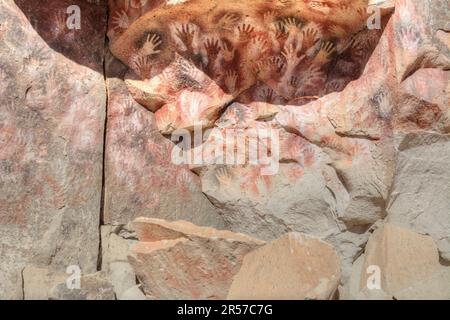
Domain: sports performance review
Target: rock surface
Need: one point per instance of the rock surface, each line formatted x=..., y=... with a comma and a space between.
x=140, y=179
x=419, y=197
x=358, y=110
x=294, y=267
x=51, y=138
x=93, y=287
x=407, y=266
x=178, y=260
x=38, y=282
x=191, y=58
x=116, y=243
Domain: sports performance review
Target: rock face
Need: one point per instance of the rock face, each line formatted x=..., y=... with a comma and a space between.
x=338, y=152
x=419, y=197
x=92, y=287
x=191, y=58
x=140, y=178
x=38, y=282
x=262, y=118
x=51, y=138
x=294, y=267
x=116, y=243
x=401, y=264
x=178, y=260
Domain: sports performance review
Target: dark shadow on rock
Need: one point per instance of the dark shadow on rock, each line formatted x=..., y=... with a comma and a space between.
x=84, y=46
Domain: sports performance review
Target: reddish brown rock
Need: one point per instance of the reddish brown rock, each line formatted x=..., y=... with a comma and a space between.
x=294, y=267
x=178, y=260
x=191, y=58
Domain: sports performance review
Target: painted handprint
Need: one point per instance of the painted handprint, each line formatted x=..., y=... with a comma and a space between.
x=151, y=44
x=212, y=48
x=269, y=17
x=245, y=31
x=337, y=31
x=228, y=51
x=60, y=22
x=141, y=64
x=290, y=53
x=257, y=47
x=324, y=55
x=410, y=38
x=310, y=37
x=186, y=34
x=230, y=79
x=120, y=20
x=223, y=176
x=228, y=21
x=291, y=25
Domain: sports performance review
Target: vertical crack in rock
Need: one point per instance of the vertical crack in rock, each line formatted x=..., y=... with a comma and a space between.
x=102, y=198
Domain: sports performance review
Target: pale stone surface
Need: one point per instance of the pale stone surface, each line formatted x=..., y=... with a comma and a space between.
x=178, y=260
x=115, y=249
x=419, y=198
x=294, y=267
x=133, y=293
x=38, y=282
x=52, y=98
x=93, y=287
x=351, y=289
x=408, y=263
x=338, y=153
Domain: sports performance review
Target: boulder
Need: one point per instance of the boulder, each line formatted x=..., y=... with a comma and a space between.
x=38, y=282
x=402, y=264
x=419, y=197
x=293, y=267
x=133, y=293
x=179, y=260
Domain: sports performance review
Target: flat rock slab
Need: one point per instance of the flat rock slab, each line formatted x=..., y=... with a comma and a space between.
x=178, y=260
x=295, y=266
x=404, y=264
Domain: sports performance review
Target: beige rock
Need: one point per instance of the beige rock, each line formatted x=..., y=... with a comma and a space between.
x=178, y=260
x=133, y=293
x=116, y=243
x=122, y=277
x=408, y=265
x=92, y=287
x=38, y=282
x=419, y=197
x=351, y=288
x=293, y=267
